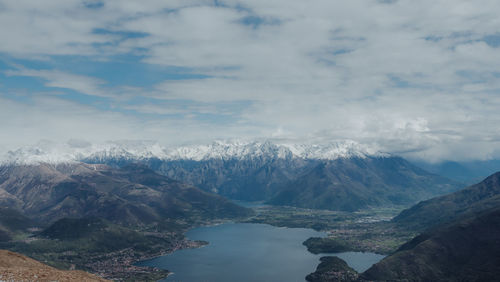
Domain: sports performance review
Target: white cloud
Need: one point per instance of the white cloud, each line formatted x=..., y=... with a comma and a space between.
x=83, y=84
x=53, y=118
x=415, y=77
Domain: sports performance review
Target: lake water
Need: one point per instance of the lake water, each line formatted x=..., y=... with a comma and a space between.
x=250, y=252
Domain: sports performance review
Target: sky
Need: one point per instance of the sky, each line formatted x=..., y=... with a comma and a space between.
x=419, y=79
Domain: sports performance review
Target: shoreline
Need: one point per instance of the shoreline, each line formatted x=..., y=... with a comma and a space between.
x=185, y=243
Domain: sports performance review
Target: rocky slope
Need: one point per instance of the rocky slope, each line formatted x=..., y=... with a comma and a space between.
x=466, y=250
x=16, y=267
x=471, y=200
x=245, y=170
x=459, y=242
x=132, y=195
x=249, y=171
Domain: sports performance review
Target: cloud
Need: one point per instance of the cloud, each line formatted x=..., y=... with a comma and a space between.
x=53, y=78
x=53, y=118
x=416, y=78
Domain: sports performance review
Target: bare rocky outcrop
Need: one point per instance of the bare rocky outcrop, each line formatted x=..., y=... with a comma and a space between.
x=16, y=267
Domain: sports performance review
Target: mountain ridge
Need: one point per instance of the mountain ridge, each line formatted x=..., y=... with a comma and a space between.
x=465, y=250
x=458, y=238
x=133, y=195
x=446, y=208
x=357, y=183
x=264, y=170
x=51, y=152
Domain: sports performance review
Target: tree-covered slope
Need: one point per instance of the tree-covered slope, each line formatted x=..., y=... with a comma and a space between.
x=473, y=199
x=355, y=183
x=466, y=250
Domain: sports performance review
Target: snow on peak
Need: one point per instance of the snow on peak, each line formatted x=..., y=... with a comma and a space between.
x=333, y=150
x=74, y=151
x=229, y=150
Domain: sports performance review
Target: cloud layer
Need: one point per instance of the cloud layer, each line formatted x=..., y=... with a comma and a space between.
x=419, y=79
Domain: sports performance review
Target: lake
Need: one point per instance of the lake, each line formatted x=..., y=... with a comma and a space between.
x=250, y=252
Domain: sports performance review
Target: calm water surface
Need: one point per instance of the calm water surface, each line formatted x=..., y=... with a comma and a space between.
x=250, y=252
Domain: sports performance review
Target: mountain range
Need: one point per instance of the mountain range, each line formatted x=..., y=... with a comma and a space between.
x=351, y=184
x=86, y=195
x=132, y=195
x=342, y=175
x=78, y=150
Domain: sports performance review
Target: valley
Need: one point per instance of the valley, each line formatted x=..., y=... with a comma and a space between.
x=102, y=248
x=364, y=231
x=230, y=140
x=112, y=251
x=100, y=219
x=114, y=213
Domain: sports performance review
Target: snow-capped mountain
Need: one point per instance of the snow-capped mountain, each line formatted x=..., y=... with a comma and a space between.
x=74, y=151
x=334, y=150
x=341, y=175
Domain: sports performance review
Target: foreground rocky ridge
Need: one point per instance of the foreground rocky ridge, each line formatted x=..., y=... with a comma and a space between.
x=16, y=267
